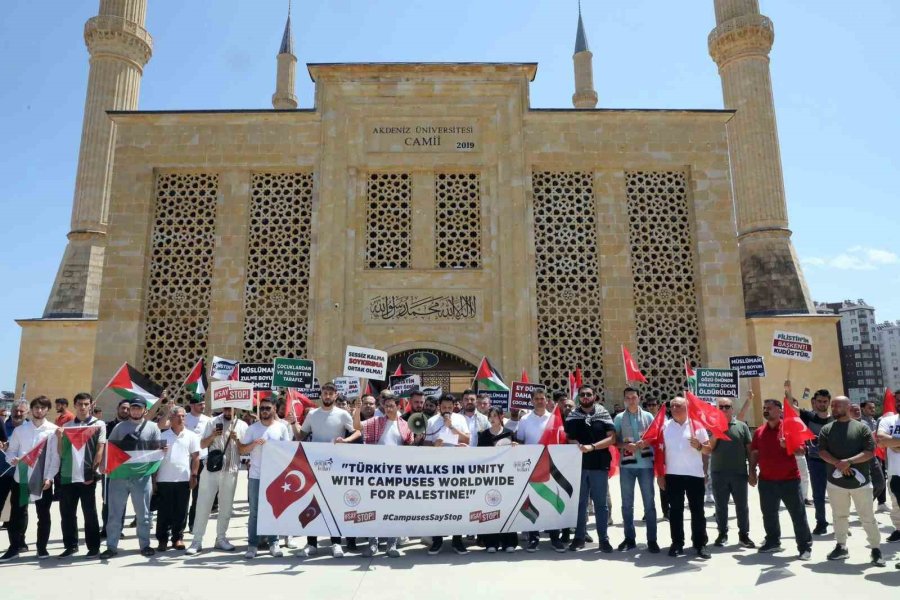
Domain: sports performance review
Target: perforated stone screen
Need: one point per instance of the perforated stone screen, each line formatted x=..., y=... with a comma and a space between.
x=568, y=277
x=388, y=221
x=182, y=244
x=276, y=304
x=457, y=221
x=662, y=258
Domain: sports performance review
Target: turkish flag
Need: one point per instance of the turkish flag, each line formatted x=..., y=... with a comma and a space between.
x=709, y=416
x=296, y=479
x=554, y=433
x=794, y=430
x=310, y=513
x=524, y=377
x=654, y=437
x=888, y=408
x=632, y=373
x=297, y=403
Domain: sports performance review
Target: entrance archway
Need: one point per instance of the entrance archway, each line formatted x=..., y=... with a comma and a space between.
x=437, y=368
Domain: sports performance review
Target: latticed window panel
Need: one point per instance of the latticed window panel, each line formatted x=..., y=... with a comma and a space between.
x=457, y=221
x=389, y=221
x=276, y=303
x=662, y=258
x=568, y=277
x=182, y=245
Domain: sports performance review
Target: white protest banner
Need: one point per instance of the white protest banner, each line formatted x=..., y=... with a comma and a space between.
x=404, y=385
x=365, y=362
x=222, y=368
x=432, y=392
x=349, y=490
x=233, y=394
x=793, y=346
x=347, y=386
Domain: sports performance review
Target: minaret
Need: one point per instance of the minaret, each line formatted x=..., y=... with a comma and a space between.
x=740, y=45
x=284, y=97
x=119, y=47
x=584, y=96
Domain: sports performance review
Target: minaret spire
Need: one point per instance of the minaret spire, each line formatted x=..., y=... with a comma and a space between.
x=585, y=96
x=284, y=97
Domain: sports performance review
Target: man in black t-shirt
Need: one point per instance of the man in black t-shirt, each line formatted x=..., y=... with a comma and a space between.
x=816, y=419
x=591, y=427
x=416, y=404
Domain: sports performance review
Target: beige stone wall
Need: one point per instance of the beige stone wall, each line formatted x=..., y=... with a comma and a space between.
x=56, y=356
x=334, y=143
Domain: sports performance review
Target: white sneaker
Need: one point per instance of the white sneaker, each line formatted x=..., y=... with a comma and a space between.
x=805, y=555
x=224, y=544
x=309, y=550
x=882, y=508
x=193, y=549
x=250, y=553
x=292, y=543
x=337, y=551
x=275, y=549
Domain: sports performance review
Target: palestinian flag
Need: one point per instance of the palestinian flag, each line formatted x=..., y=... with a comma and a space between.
x=540, y=478
x=129, y=383
x=127, y=459
x=690, y=376
x=197, y=382
x=31, y=473
x=529, y=510
x=488, y=379
x=77, y=455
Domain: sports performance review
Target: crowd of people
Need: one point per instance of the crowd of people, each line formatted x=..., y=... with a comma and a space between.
x=203, y=456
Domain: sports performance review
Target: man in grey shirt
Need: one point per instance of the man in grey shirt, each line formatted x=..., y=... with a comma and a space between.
x=137, y=433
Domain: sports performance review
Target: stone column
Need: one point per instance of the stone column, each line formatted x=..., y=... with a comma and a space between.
x=740, y=45
x=119, y=47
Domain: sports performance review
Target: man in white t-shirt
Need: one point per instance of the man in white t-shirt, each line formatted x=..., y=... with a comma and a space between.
x=685, y=442
x=888, y=437
x=173, y=482
x=475, y=421
x=226, y=429
x=327, y=424
x=196, y=421
x=267, y=429
x=447, y=428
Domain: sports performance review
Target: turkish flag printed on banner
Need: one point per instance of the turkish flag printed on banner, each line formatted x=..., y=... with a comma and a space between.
x=632, y=373
x=310, y=513
x=793, y=429
x=296, y=479
x=709, y=416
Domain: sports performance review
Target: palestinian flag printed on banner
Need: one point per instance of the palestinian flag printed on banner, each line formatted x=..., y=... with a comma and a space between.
x=127, y=459
x=129, y=383
x=690, y=376
x=197, y=382
x=31, y=471
x=77, y=454
x=488, y=378
x=529, y=510
x=540, y=482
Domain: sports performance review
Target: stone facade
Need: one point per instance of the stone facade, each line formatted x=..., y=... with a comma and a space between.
x=382, y=208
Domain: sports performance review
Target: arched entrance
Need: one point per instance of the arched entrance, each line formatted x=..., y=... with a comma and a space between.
x=437, y=368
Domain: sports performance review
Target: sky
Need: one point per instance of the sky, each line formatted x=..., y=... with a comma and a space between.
x=834, y=73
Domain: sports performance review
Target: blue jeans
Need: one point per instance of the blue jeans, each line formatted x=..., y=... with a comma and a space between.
x=140, y=490
x=645, y=480
x=818, y=479
x=253, y=493
x=596, y=483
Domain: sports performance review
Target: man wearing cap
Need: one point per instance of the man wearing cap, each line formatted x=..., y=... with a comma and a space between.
x=196, y=422
x=137, y=433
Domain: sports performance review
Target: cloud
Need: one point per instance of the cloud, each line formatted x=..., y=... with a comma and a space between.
x=857, y=258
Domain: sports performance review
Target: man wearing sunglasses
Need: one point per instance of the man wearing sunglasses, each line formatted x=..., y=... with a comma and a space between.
x=728, y=466
x=265, y=430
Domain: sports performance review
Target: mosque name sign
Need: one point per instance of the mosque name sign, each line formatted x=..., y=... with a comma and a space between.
x=439, y=135
x=406, y=307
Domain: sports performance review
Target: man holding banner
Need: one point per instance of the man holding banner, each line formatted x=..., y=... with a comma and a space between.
x=475, y=421
x=81, y=442
x=591, y=427
x=450, y=429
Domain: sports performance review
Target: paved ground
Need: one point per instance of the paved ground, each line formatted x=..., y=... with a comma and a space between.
x=215, y=574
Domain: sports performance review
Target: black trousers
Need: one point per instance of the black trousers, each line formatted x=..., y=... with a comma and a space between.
x=500, y=540
x=194, y=492
x=171, y=515
x=70, y=495
x=774, y=493
x=536, y=535
x=7, y=484
x=677, y=487
x=18, y=518
x=314, y=541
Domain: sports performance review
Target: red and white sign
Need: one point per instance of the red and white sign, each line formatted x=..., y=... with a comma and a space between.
x=792, y=346
x=232, y=394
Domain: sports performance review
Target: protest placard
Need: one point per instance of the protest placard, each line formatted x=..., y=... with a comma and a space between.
x=748, y=366
x=522, y=394
x=793, y=346
x=293, y=373
x=717, y=383
x=231, y=394
x=365, y=362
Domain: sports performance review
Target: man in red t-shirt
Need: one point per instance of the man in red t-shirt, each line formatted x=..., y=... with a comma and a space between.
x=63, y=414
x=779, y=481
